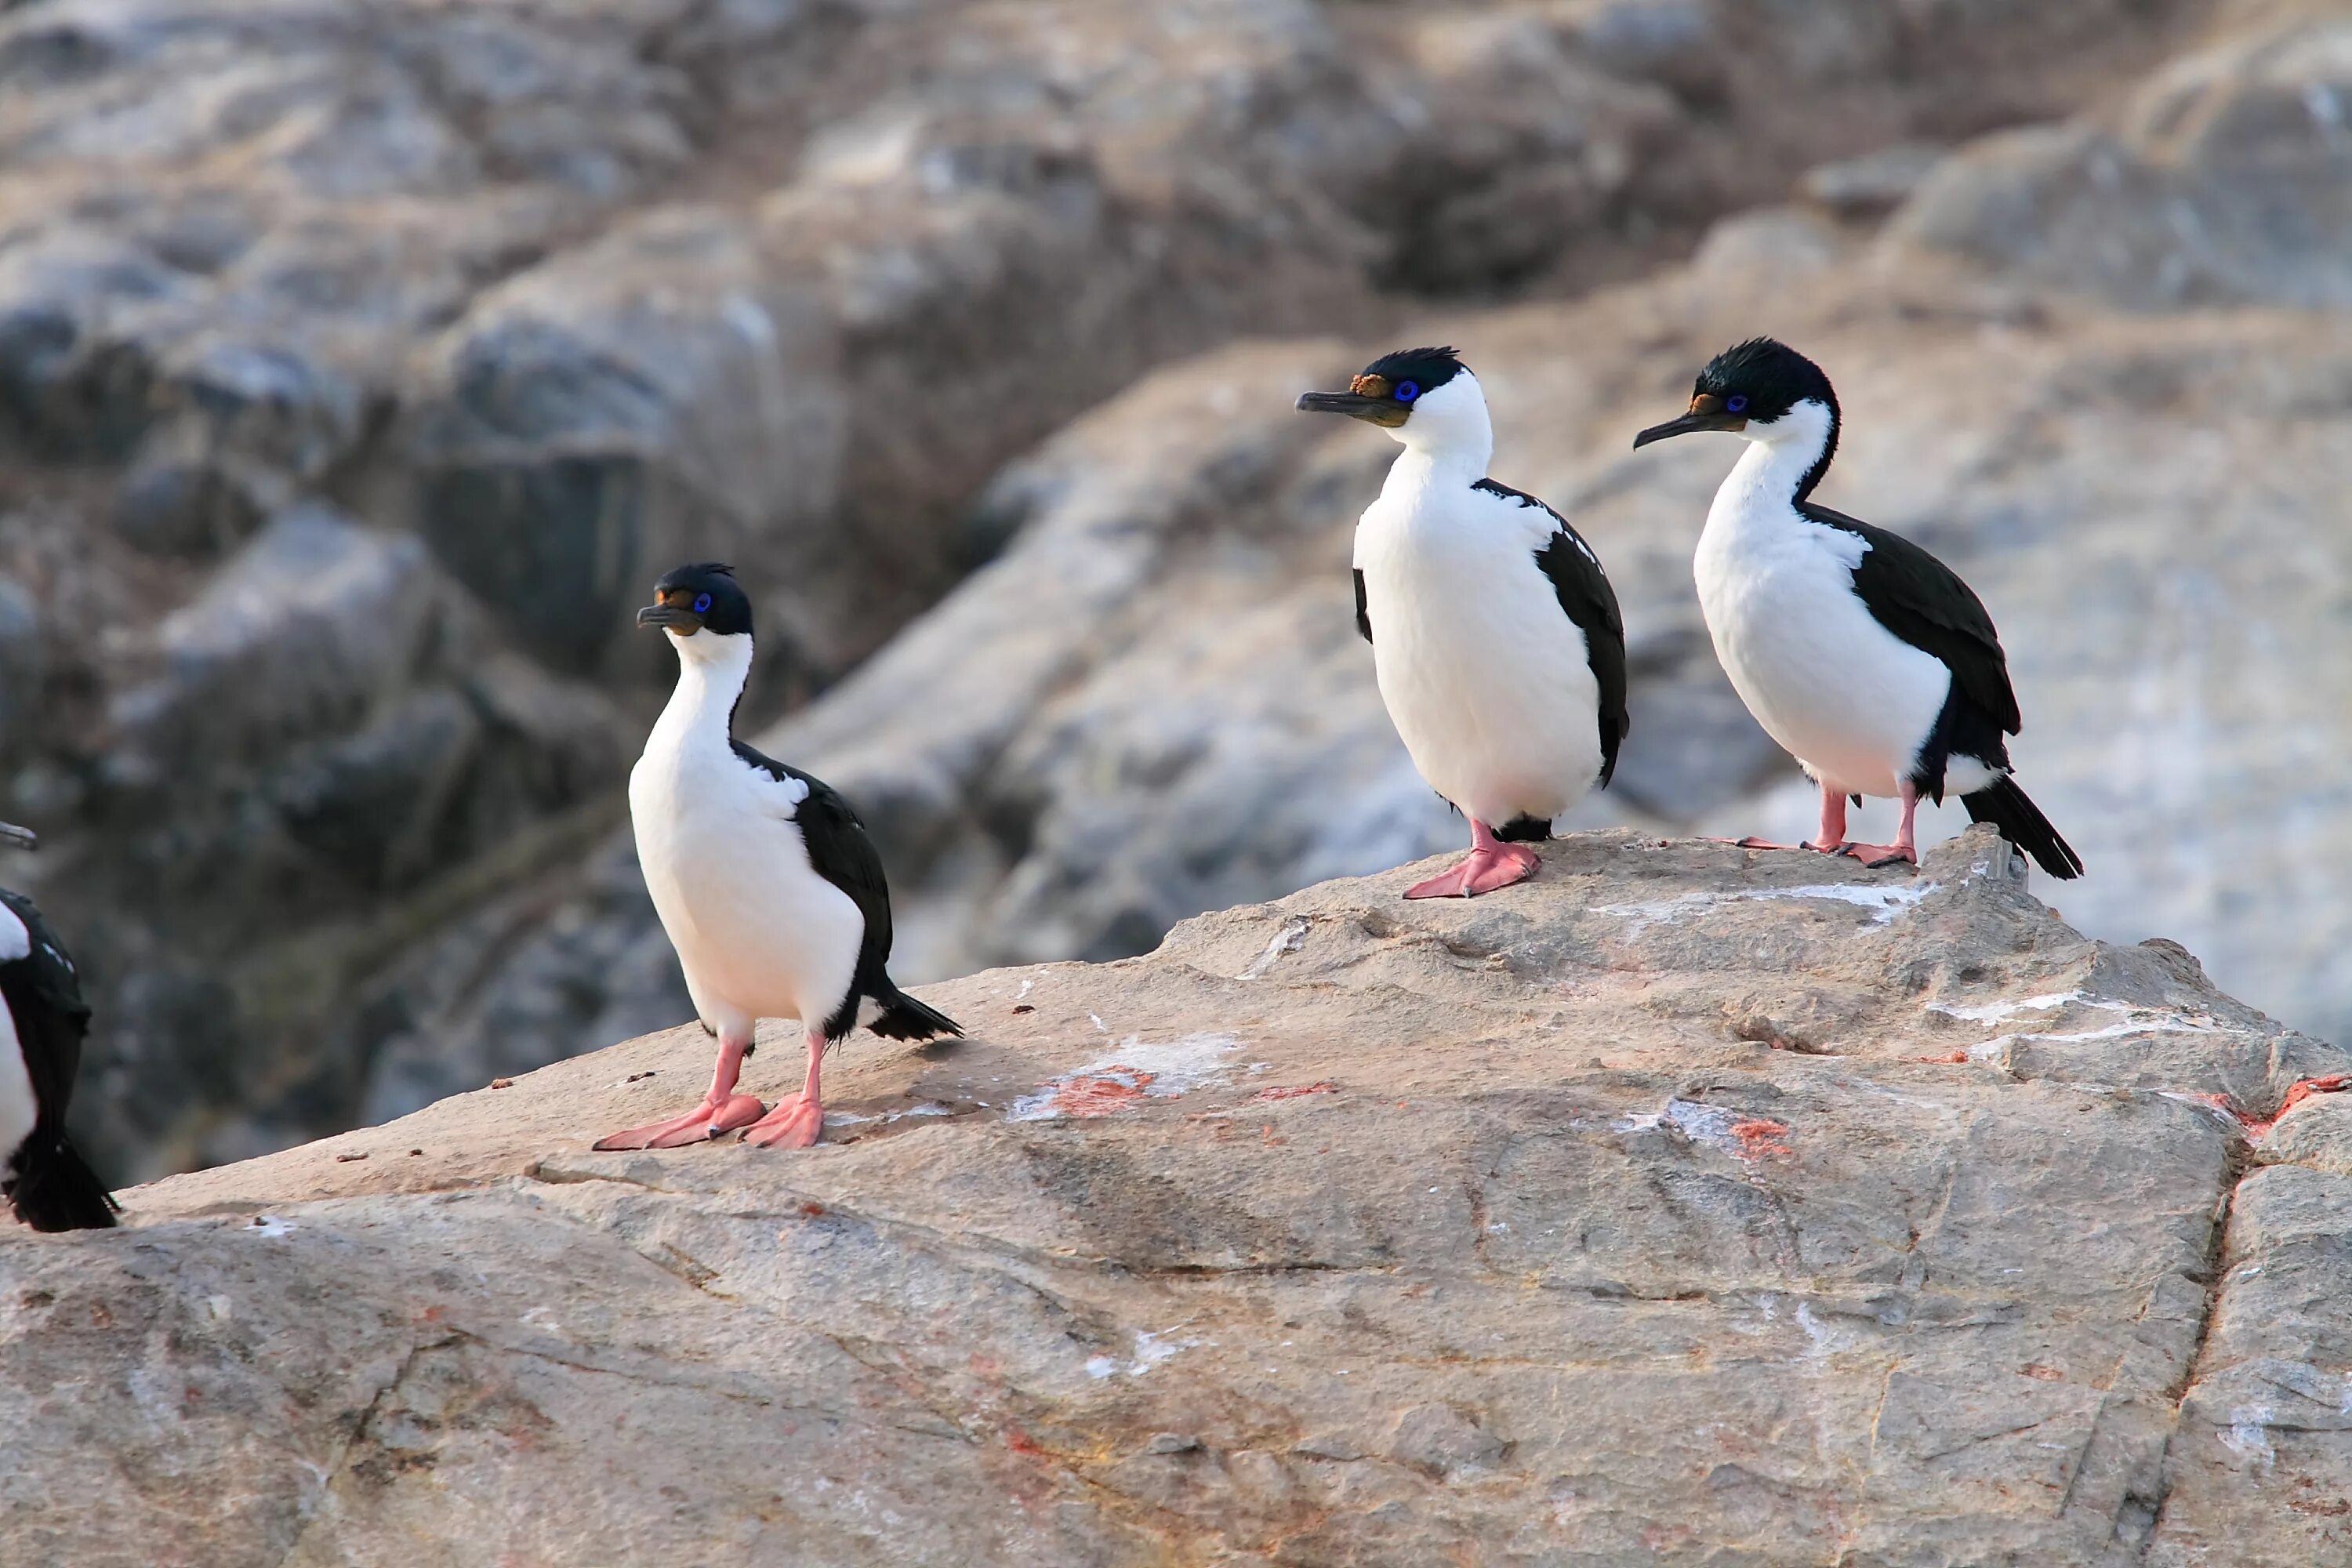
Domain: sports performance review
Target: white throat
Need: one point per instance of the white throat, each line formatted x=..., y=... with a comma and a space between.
x=1779, y=457
x=1450, y=433
x=711, y=670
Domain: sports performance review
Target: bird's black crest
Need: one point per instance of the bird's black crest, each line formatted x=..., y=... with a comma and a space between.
x=1426, y=368
x=730, y=608
x=1771, y=376
x=686, y=576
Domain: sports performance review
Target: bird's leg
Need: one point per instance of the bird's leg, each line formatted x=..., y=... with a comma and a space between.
x=721, y=1110
x=1905, y=849
x=1491, y=864
x=799, y=1119
x=1829, y=841
x=1831, y=838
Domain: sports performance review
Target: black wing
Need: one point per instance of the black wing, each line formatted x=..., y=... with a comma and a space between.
x=1363, y=607
x=843, y=855
x=1924, y=602
x=44, y=998
x=1583, y=591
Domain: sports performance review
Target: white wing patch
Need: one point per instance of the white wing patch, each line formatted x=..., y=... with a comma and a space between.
x=15, y=942
x=19, y=1112
x=781, y=796
x=1550, y=525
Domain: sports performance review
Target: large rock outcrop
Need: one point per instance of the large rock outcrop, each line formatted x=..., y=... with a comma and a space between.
x=1172, y=713
x=546, y=298
x=1682, y=1205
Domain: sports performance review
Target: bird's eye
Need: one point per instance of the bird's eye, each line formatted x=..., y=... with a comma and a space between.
x=702, y=604
x=1406, y=390
x=1735, y=404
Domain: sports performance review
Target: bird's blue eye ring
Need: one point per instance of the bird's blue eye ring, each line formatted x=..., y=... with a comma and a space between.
x=702, y=604
x=1407, y=391
x=1735, y=404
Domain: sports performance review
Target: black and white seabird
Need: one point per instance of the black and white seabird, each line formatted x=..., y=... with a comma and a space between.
x=1496, y=638
x=762, y=876
x=1863, y=656
x=41, y=1029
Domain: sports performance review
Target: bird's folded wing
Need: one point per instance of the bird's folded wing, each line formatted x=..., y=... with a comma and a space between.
x=839, y=851
x=1924, y=603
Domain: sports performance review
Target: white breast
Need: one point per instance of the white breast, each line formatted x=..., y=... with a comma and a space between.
x=18, y=1110
x=1485, y=677
x=1847, y=698
x=758, y=933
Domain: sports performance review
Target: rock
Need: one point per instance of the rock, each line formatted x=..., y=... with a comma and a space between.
x=565, y=294
x=373, y=800
x=306, y=629
x=2222, y=179
x=1438, y=1440
x=1176, y=713
x=651, y=398
x=1605, y=1279
x=69, y=388
x=1873, y=184
x=1075, y=806
x=241, y=431
x=2318, y=1135
x=1672, y=42
x=24, y=663
x=1772, y=243
x=329, y=759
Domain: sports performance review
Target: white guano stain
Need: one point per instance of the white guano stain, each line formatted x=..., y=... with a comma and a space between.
x=2247, y=1434
x=1289, y=939
x=1154, y=1071
x=1883, y=902
x=2173, y=1025
x=1150, y=1350
x=2049, y=1002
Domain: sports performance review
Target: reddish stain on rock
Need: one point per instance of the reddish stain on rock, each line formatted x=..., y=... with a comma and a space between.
x=1293, y=1090
x=2034, y=1369
x=1759, y=1137
x=2259, y=1126
x=2334, y=1083
x=1949, y=1058
x=1112, y=1089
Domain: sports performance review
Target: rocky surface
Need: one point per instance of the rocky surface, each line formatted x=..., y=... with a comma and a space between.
x=1177, y=713
x=539, y=299
x=1682, y=1205
x=2219, y=181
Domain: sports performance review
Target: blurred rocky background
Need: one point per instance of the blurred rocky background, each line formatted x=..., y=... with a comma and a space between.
x=361, y=365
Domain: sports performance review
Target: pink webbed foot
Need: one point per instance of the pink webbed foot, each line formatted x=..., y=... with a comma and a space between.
x=709, y=1120
x=797, y=1122
x=1752, y=843
x=1485, y=869
x=1876, y=855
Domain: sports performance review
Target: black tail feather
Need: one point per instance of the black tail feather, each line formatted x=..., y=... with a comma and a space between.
x=2020, y=822
x=55, y=1190
x=1525, y=830
x=905, y=1019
